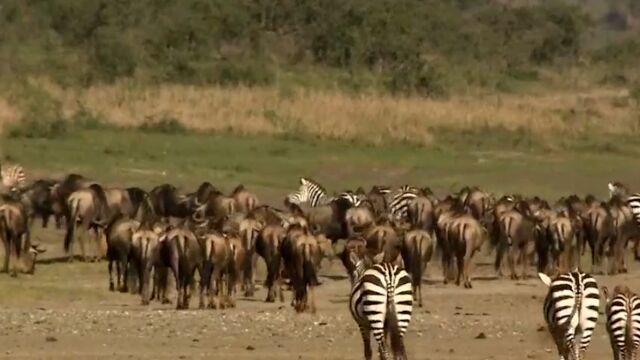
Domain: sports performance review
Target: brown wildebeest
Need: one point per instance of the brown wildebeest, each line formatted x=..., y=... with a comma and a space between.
x=14, y=234
x=119, y=235
x=355, y=249
x=359, y=218
x=168, y=203
x=268, y=247
x=518, y=231
x=249, y=232
x=216, y=277
x=298, y=249
x=565, y=246
x=185, y=257
x=61, y=191
x=421, y=213
x=144, y=256
x=245, y=201
x=548, y=250
x=600, y=232
x=383, y=242
x=417, y=250
x=378, y=198
x=87, y=209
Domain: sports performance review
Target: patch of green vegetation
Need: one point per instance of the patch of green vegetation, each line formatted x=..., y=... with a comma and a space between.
x=273, y=165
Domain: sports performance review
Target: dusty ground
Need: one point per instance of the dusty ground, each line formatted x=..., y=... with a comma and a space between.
x=65, y=311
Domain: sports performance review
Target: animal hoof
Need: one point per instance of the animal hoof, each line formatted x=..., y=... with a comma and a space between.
x=145, y=302
x=13, y=274
x=111, y=287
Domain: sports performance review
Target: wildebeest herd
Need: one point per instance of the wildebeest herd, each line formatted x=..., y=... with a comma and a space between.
x=385, y=239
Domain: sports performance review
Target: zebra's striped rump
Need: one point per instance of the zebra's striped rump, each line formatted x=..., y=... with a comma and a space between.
x=382, y=302
x=623, y=322
x=571, y=311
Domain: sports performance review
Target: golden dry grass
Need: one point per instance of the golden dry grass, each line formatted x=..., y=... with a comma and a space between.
x=376, y=118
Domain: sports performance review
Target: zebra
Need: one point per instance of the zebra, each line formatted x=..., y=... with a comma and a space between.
x=314, y=194
x=399, y=205
x=354, y=199
x=631, y=199
x=623, y=322
x=571, y=311
x=13, y=177
x=381, y=302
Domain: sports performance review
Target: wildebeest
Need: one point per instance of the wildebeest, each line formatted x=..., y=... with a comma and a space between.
x=298, y=249
x=14, y=234
x=268, y=245
x=185, y=257
x=119, y=239
x=145, y=248
x=249, y=231
x=216, y=276
x=518, y=230
x=38, y=202
x=245, y=201
x=417, y=250
x=87, y=209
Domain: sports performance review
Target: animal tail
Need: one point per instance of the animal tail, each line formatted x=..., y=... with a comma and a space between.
x=391, y=320
x=507, y=230
x=416, y=262
x=71, y=224
x=308, y=270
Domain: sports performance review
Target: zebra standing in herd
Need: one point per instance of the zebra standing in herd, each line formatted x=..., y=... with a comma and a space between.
x=314, y=194
x=631, y=199
x=399, y=205
x=571, y=311
x=381, y=302
x=623, y=322
x=13, y=177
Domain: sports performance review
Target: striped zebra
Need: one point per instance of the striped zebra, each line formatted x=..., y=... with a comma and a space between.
x=399, y=205
x=381, y=302
x=13, y=177
x=632, y=200
x=571, y=311
x=623, y=322
x=314, y=194
x=310, y=192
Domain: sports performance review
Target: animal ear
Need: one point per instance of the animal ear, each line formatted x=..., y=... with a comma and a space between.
x=611, y=187
x=545, y=278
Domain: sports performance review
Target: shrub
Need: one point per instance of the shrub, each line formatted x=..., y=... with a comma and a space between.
x=42, y=115
x=164, y=125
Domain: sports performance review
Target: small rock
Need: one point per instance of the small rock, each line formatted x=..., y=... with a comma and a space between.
x=481, y=336
x=50, y=339
x=541, y=329
x=196, y=340
x=250, y=348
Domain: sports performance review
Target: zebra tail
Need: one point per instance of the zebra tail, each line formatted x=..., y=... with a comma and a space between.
x=395, y=336
x=71, y=225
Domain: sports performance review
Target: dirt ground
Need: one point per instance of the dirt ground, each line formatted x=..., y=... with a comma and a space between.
x=65, y=311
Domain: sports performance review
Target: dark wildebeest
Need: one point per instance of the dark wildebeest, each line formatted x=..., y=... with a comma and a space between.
x=359, y=218
x=185, y=257
x=61, y=191
x=417, y=249
x=249, y=232
x=299, y=249
x=38, y=202
x=518, y=230
x=216, y=277
x=168, y=203
x=119, y=239
x=145, y=254
x=87, y=209
x=14, y=234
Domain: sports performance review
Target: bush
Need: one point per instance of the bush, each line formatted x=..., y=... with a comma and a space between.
x=41, y=115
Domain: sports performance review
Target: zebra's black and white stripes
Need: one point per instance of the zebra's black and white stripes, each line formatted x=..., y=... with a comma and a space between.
x=632, y=200
x=623, y=322
x=13, y=177
x=571, y=311
x=381, y=303
x=314, y=194
x=310, y=192
x=399, y=205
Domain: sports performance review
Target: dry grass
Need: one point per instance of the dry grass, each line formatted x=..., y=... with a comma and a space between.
x=376, y=118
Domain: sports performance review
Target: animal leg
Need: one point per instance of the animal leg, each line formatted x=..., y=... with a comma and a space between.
x=5, y=267
x=111, y=285
x=13, y=258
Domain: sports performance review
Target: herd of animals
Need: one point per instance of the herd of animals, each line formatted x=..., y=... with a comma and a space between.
x=388, y=238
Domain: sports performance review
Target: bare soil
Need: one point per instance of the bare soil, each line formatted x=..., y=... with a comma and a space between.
x=65, y=311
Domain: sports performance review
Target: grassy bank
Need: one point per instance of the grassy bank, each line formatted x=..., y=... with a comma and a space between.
x=272, y=165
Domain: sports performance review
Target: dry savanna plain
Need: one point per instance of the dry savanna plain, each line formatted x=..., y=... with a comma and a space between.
x=266, y=139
